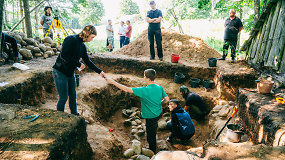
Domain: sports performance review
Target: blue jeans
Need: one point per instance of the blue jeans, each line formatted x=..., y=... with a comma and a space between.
x=66, y=88
x=122, y=40
x=127, y=41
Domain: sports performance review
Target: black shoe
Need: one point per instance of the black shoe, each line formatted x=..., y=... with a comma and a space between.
x=223, y=58
x=161, y=59
x=151, y=58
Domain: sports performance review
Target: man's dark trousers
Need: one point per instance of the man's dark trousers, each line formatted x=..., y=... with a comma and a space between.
x=151, y=129
x=122, y=40
x=229, y=43
x=158, y=39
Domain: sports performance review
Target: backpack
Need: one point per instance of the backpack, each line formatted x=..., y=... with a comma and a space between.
x=186, y=124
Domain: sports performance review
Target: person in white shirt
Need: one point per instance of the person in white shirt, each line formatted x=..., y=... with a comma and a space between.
x=122, y=33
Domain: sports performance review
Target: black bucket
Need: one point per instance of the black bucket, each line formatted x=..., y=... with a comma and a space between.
x=212, y=62
x=195, y=82
x=208, y=84
x=179, y=78
x=234, y=133
x=77, y=76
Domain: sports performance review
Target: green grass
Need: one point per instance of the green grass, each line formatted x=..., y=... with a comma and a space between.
x=100, y=45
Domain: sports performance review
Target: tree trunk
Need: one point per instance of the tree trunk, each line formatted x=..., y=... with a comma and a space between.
x=264, y=4
x=240, y=16
x=28, y=19
x=256, y=10
x=21, y=13
x=37, y=17
x=1, y=22
x=4, y=16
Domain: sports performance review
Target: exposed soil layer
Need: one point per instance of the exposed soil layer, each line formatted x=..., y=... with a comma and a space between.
x=190, y=49
x=54, y=135
x=262, y=117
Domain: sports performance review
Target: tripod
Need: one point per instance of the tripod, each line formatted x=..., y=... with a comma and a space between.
x=59, y=29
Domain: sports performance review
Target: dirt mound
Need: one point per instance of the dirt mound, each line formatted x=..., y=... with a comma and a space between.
x=190, y=49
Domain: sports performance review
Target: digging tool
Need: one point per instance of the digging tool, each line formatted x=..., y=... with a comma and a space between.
x=235, y=111
x=32, y=116
x=250, y=90
x=280, y=100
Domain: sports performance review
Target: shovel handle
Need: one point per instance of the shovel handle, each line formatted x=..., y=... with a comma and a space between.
x=235, y=111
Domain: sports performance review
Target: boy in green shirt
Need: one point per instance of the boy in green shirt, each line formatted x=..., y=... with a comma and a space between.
x=151, y=97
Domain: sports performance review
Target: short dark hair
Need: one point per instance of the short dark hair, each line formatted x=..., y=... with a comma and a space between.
x=128, y=21
x=152, y=2
x=150, y=73
x=175, y=101
x=87, y=31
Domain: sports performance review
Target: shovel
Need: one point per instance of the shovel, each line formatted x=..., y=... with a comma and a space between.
x=235, y=111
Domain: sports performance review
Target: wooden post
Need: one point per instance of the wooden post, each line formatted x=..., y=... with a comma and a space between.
x=21, y=14
x=271, y=34
x=28, y=19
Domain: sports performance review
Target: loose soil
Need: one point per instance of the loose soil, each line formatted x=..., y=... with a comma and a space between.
x=190, y=49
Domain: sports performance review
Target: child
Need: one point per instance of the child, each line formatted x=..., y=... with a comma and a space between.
x=151, y=97
x=181, y=125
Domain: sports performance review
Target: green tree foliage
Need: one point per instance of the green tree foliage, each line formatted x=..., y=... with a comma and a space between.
x=128, y=7
x=93, y=12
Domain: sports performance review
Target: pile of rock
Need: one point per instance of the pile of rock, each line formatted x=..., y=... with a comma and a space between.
x=223, y=110
x=29, y=47
x=134, y=121
x=136, y=152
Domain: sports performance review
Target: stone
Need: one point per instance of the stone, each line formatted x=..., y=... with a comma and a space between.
x=36, y=50
x=162, y=124
x=49, y=53
x=53, y=45
x=45, y=55
x=224, y=112
x=38, y=54
x=30, y=47
x=222, y=102
x=47, y=40
x=27, y=54
x=59, y=48
x=134, y=157
x=162, y=145
x=147, y=152
x=133, y=131
x=54, y=50
x=57, y=53
x=217, y=108
x=36, y=44
x=134, y=109
x=176, y=155
x=29, y=41
x=18, y=38
x=129, y=153
x=134, y=123
x=124, y=113
x=23, y=43
x=19, y=45
x=49, y=48
x=129, y=112
x=38, y=39
x=138, y=121
x=134, y=127
x=139, y=127
x=141, y=133
x=127, y=123
x=22, y=34
x=47, y=44
x=137, y=146
x=7, y=114
x=42, y=47
x=133, y=114
x=143, y=157
x=231, y=103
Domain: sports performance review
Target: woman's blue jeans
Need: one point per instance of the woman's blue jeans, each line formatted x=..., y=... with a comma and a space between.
x=66, y=88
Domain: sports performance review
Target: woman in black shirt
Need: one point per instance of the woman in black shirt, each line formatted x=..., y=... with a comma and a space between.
x=73, y=48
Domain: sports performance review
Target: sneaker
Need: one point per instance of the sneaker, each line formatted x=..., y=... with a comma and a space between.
x=161, y=59
x=223, y=58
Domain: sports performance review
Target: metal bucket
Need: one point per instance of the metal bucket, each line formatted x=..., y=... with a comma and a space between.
x=234, y=133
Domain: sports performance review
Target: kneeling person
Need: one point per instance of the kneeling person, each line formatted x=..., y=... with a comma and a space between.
x=181, y=125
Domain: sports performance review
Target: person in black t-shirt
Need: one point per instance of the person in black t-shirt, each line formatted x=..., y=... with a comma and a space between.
x=154, y=17
x=233, y=26
x=194, y=104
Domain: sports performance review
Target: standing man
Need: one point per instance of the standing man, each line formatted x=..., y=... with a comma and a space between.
x=128, y=32
x=154, y=17
x=46, y=21
x=110, y=36
x=122, y=33
x=233, y=26
x=151, y=98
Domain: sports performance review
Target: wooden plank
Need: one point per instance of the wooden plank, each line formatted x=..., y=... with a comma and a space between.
x=262, y=31
x=250, y=50
x=254, y=54
x=277, y=39
x=266, y=35
x=282, y=65
x=271, y=34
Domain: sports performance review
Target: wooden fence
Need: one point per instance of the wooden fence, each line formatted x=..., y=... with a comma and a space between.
x=265, y=47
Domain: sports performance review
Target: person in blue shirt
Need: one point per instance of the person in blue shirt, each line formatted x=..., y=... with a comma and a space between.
x=181, y=125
